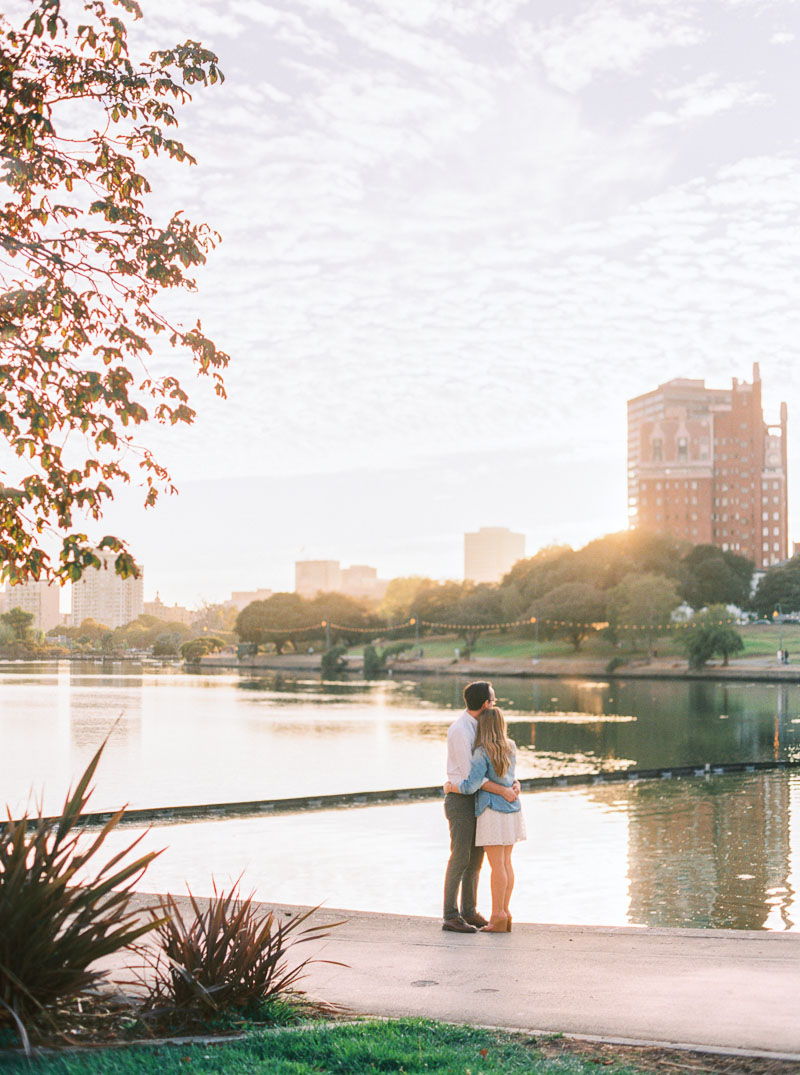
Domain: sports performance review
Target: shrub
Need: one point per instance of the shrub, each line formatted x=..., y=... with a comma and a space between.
x=374, y=663
x=52, y=928
x=375, y=660
x=396, y=649
x=710, y=635
x=166, y=644
x=334, y=661
x=230, y=956
x=196, y=648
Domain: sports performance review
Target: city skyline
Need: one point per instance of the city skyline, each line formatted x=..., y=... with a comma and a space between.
x=407, y=550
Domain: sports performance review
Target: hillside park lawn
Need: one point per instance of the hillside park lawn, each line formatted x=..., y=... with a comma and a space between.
x=760, y=640
x=404, y=1047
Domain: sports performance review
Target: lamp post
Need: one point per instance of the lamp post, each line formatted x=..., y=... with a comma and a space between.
x=414, y=621
x=535, y=622
x=778, y=615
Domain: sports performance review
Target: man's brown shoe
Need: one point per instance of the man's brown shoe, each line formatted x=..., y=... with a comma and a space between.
x=476, y=920
x=458, y=925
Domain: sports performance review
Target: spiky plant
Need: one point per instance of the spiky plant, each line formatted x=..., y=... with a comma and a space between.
x=230, y=956
x=57, y=917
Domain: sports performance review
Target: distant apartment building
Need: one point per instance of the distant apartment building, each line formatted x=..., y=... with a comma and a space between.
x=491, y=552
x=102, y=595
x=361, y=580
x=240, y=599
x=328, y=576
x=168, y=613
x=39, y=598
x=317, y=576
x=703, y=465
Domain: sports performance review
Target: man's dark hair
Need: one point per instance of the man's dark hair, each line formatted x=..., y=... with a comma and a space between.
x=475, y=694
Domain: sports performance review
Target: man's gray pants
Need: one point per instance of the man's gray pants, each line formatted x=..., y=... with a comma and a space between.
x=464, y=867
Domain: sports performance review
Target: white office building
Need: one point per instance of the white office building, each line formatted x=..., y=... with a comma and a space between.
x=240, y=599
x=102, y=595
x=491, y=552
x=317, y=576
x=39, y=598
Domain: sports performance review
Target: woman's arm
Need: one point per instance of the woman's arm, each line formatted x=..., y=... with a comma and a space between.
x=510, y=794
x=477, y=774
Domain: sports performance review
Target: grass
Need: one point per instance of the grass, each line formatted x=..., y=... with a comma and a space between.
x=410, y=1047
x=760, y=640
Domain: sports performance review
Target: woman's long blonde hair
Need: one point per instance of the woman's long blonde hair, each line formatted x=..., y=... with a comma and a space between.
x=493, y=737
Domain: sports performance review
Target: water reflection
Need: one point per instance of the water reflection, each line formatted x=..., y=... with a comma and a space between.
x=221, y=737
x=709, y=853
x=692, y=853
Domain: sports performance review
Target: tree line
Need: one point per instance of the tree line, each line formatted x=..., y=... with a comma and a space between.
x=632, y=578
x=611, y=585
x=211, y=629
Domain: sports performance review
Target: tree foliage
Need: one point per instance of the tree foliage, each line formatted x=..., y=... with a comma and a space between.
x=713, y=576
x=88, y=632
x=140, y=634
x=572, y=609
x=82, y=269
x=196, y=648
x=218, y=618
x=644, y=600
x=436, y=603
x=780, y=586
x=275, y=619
x=143, y=632
x=399, y=601
x=19, y=622
x=478, y=607
x=339, y=609
x=603, y=563
x=167, y=644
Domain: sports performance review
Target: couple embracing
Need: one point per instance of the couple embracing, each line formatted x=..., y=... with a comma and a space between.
x=483, y=811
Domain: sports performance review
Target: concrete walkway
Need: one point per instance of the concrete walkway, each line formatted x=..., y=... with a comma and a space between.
x=719, y=988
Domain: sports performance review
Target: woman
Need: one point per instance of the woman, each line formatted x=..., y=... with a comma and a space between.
x=500, y=823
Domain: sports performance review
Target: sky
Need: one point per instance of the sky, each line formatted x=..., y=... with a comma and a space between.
x=456, y=238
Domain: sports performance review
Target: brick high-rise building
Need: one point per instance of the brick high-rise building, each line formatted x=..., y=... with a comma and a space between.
x=705, y=466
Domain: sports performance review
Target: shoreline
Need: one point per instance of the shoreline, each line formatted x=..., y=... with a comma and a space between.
x=744, y=670
x=749, y=669
x=753, y=669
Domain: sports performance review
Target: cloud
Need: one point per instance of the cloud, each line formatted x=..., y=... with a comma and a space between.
x=605, y=37
x=453, y=224
x=703, y=98
x=411, y=223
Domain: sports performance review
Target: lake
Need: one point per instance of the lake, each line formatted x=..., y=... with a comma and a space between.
x=718, y=851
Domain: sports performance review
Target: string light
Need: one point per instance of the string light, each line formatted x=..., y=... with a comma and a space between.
x=389, y=628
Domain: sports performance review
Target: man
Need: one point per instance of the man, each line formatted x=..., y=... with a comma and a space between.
x=464, y=866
